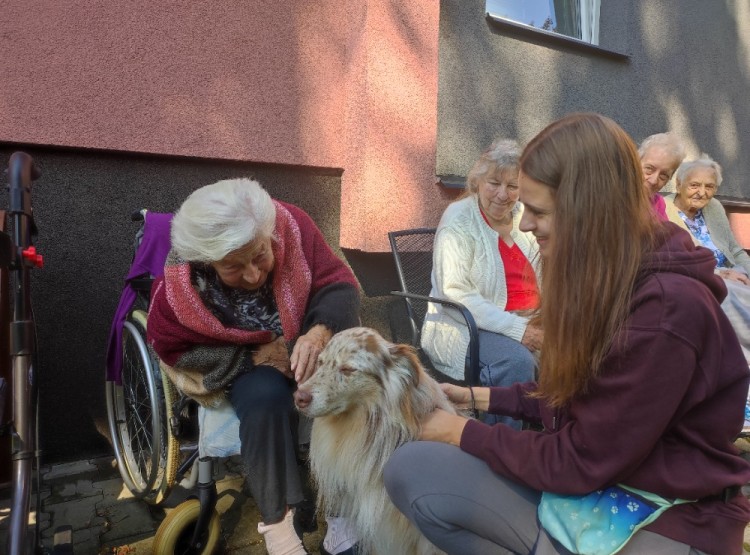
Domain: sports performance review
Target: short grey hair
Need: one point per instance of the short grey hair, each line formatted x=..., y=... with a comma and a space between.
x=704, y=161
x=220, y=218
x=502, y=154
x=668, y=141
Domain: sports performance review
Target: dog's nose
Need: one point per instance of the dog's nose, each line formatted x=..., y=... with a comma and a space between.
x=302, y=398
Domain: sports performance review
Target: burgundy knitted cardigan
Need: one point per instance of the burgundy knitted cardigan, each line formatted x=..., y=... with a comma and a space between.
x=311, y=285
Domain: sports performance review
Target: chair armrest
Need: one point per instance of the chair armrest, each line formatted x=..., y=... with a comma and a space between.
x=471, y=371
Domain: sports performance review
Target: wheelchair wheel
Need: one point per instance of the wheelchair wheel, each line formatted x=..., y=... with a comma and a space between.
x=176, y=530
x=138, y=411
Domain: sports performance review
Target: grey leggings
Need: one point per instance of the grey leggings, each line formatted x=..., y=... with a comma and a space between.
x=464, y=508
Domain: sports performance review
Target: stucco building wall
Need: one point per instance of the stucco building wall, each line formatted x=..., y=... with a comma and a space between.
x=349, y=86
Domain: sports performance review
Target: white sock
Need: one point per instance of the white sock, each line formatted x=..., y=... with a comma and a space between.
x=340, y=536
x=280, y=537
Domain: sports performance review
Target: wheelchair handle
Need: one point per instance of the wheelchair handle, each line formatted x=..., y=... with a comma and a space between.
x=21, y=172
x=138, y=215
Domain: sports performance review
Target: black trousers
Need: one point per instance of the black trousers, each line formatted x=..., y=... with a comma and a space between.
x=263, y=401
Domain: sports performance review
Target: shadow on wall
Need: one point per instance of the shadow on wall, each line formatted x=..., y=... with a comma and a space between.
x=496, y=83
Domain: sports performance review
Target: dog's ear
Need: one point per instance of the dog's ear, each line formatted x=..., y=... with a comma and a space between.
x=408, y=355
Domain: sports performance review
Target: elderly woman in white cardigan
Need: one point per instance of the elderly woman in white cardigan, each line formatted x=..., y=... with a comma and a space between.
x=482, y=260
x=693, y=208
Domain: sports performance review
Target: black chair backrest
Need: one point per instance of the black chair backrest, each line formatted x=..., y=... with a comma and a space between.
x=412, y=253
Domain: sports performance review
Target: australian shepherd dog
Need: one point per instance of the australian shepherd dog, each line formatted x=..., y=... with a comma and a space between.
x=367, y=397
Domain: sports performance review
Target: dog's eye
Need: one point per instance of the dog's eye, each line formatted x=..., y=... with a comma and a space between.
x=346, y=370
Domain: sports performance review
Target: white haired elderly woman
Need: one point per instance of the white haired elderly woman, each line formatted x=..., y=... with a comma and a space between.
x=482, y=260
x=660, y=155
x=693, y=208
x=246, y=277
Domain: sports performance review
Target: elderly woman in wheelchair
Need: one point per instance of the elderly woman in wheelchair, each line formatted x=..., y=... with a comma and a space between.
x=247, y=277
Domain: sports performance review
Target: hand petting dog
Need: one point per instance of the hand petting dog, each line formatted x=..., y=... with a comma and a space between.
x=306, y=351
x=445, y=427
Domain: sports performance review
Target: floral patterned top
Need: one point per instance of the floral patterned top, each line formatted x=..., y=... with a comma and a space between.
x=237, y=308
x=699, y=229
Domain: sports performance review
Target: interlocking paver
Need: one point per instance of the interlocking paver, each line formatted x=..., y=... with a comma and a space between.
x=113, y=491
x=78, y=512
x=127, y=521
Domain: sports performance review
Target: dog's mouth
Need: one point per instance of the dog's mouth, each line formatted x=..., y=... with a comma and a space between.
x=303, y=400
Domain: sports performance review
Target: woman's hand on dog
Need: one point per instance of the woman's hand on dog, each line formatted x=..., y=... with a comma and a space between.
x=306, y=351
x=461, y=396
x=443, y=426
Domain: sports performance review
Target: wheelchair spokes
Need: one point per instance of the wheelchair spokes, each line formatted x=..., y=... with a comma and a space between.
x=139, y=411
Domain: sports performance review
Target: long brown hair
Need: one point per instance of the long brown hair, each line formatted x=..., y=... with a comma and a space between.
x=602, y=228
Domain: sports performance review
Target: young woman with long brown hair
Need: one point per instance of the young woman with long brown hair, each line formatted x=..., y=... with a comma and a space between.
x=642, y=383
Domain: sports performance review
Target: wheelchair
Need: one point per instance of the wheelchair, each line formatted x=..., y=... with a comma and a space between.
x=158, y=434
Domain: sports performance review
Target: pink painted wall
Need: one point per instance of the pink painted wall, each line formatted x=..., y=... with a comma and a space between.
x=739, y=220
x=346, y=85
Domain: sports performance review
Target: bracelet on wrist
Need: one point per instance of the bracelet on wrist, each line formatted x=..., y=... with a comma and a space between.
x=473, y=405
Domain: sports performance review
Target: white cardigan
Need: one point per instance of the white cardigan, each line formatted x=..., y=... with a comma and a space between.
x=467, y=268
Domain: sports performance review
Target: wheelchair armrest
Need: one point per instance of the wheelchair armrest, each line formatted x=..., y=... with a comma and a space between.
x=471, y=371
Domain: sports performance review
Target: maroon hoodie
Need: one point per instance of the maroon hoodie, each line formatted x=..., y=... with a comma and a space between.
x=661, y=415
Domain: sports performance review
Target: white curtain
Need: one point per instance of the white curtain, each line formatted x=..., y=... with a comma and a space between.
x=590, y=20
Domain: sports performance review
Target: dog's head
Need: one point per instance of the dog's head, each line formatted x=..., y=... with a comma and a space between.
x=358, y=368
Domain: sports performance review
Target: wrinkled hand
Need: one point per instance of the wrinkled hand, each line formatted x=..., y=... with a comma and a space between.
x=443, y=426
x=733, y=275
x=306, y=351
x=532, y=338
x=274, y=354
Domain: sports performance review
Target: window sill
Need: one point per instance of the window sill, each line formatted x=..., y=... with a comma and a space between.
x=733, y=202
x=450, y=181
x=540, y=36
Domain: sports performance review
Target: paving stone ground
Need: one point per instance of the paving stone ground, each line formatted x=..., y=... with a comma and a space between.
x=90, y=496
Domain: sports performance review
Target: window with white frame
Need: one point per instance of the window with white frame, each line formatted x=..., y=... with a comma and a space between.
x=578, y=19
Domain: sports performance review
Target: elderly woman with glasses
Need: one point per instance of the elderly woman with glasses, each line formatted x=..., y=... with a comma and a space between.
x=482, y=260
x=694, y=208
x=248, y=277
